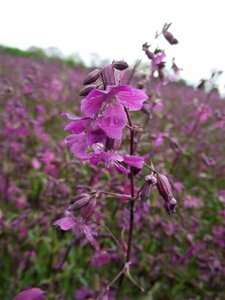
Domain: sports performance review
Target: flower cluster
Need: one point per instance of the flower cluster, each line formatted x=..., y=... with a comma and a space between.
x=97, y=134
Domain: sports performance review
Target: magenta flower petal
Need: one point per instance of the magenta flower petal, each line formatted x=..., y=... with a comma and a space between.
x=121, y=168
x=76, y=127
x=134, y=161
x=96, y=135
x=31, y=294
x=79, y=145
x=132, y=98
x=113, y=121
x=88, y=233
x=70, y=116
x=91, y=105
x=65, y=223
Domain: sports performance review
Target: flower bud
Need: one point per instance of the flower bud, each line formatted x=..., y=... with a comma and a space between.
x=170, y=205
x=120, y=65
x=168, y=36
x=145, y=192
x=175, y=145
x=149, y=54
x=150, y=180
x=165, y=191
x=79, y=201
x=164, y=186
x=108, y=76
x=87, y=89
x=92, y=76
x=88, y=210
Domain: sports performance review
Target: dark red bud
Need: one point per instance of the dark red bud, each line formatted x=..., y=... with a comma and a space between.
x=120, y=65
x=92, y=76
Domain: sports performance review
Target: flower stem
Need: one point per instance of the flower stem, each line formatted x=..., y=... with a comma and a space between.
x=132, y=202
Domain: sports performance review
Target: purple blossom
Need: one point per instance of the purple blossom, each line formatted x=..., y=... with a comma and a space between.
x=83, y=293
x=113, y=158
x=77, y=224
x=192, y=202
x=31, y=294
x=101, y=257
x=158, y=58
x=113, y=118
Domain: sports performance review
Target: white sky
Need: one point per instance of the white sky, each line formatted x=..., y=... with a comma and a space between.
x=117, y=29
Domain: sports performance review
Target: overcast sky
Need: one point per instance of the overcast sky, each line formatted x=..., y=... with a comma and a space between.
x=117, y=29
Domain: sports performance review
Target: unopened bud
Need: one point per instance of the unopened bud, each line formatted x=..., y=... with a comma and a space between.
x=168, y=36
x=151, y=179
x=149, y=54
x=87, y=89
x=165, y=191
x=164, y=186
x=88, y=210
x=175, y=145
x=79, y=201
x=120, y=65
x=92, y=76
x=108, y=76
x=170, y=205
x=145, y=192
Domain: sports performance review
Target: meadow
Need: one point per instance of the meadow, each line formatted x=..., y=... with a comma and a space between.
x=178, y=131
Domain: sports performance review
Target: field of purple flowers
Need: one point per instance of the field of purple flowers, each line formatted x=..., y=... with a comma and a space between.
x=178, y=139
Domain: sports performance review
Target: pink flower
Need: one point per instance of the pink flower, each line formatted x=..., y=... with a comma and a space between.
x=111, y=158
x=113, y=118
x=222, y=196
x=35, y=163
x=77, y=224
x=100, y=258
x=158, y=58
x=130, y=97
x=31, y=294
x=192, y=202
